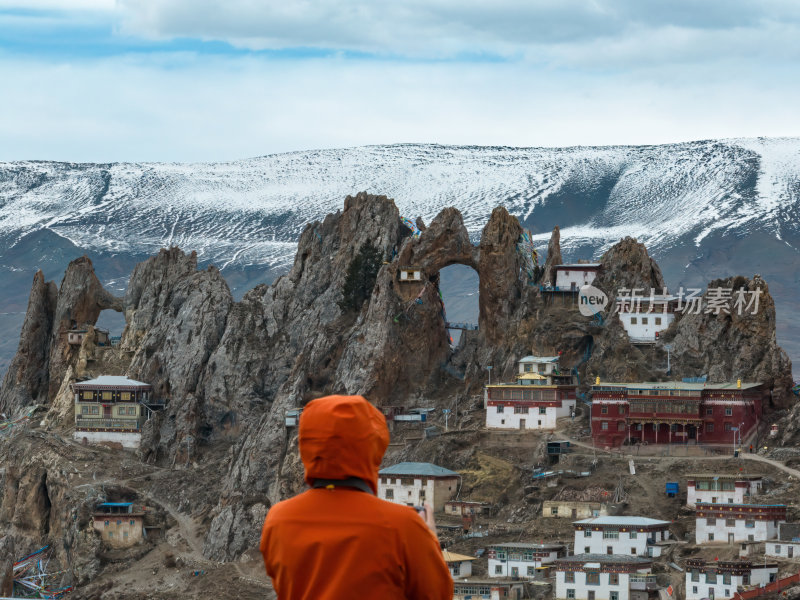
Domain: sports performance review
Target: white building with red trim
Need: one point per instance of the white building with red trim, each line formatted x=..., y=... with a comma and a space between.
x=730, y=523
x=522, y=559
x=631, y=536
x=602, y=577
x=542, y=394
x=723, y=578
x=722, y=489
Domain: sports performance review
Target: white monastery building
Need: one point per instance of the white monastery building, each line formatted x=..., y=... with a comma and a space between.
x=542, y=394
x=721, y=579
x=603, y=577
x=631, y=536
x=522, y=559
x=722, y=489
x=575, y=276
x=413, y=483
x=644, y=318
x=730, y=523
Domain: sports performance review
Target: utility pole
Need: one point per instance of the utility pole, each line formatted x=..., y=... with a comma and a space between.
x=188, y=449
x=489, y=368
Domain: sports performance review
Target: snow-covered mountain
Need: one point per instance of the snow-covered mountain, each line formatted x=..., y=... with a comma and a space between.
x=705, y=209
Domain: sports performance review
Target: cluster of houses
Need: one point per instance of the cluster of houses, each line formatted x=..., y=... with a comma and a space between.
x=611, y=557
x=627, y=413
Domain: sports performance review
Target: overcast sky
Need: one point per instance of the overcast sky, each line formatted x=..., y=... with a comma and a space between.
x=202, y=80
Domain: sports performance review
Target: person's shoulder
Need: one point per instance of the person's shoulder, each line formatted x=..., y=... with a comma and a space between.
x=288, y=507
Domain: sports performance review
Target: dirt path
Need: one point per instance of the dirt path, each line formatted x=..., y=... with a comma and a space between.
x=743, y=455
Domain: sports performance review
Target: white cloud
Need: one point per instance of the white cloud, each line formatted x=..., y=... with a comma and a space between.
x=59, y=5
x=440, y=28
x=184, y=109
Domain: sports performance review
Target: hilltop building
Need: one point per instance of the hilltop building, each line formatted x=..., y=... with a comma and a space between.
x=413, y=483
x=721, y=579
x=730, y=523
x=522, y=559
x=572, y=277
x=722, y=489
x=631, y=536
x=644, y=318
x=603, y=577
x=111, y=409
x=542, y=394
x=119, y=525
x=675, y=412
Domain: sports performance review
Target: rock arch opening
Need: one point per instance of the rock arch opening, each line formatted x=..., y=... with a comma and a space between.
x=459, y=290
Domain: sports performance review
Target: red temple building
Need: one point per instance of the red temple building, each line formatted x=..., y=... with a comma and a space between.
x=675, y=412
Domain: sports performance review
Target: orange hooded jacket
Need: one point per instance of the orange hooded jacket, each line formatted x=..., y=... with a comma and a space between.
x=340, y=543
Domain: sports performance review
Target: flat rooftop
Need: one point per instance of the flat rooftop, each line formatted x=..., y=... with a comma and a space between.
x=675, y=385
x=624, y=521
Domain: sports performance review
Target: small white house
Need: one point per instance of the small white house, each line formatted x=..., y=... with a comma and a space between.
x=783, y=549
x=543, y=365
x=644, y=318
x=410, y=274
x=413, y=483
x=631, y=536
x=575, y=276
x=522, y=559
x=731, y=523
x=721, y=579
x=602, y=577
x=459, y=565
x=722, y=489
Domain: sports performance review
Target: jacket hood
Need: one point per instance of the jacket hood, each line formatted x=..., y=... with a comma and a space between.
x=341, y=437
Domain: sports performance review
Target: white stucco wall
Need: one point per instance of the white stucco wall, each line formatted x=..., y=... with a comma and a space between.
x=640, y=330
x=761, y=530
x=434, y=491
x=565, y=278
x=601, y=592
x=460, y=569
x=508, y=419
x=409, y=494
x=596, y=544
x=696, y=590
x=128, y=440
x=506, y=567
x=782, y=549
x=738, y=495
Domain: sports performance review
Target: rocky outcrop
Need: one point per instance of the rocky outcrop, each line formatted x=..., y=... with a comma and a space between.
x=26, y=381
x=553, y=258
x=499, y=268
x=737, y=342
x=627, y=265
x=230, y=370
x=44, y=354
x=80, y=300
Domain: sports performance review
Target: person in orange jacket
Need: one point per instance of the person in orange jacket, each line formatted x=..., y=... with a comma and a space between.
x=337, y=540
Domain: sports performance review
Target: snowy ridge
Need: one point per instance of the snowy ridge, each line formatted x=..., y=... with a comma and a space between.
x=251, y=212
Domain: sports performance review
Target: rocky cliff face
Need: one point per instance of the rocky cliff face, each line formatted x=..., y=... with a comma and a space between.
x=738, y=342
x=230, y=370
x=44, y=354
x=27, y=378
